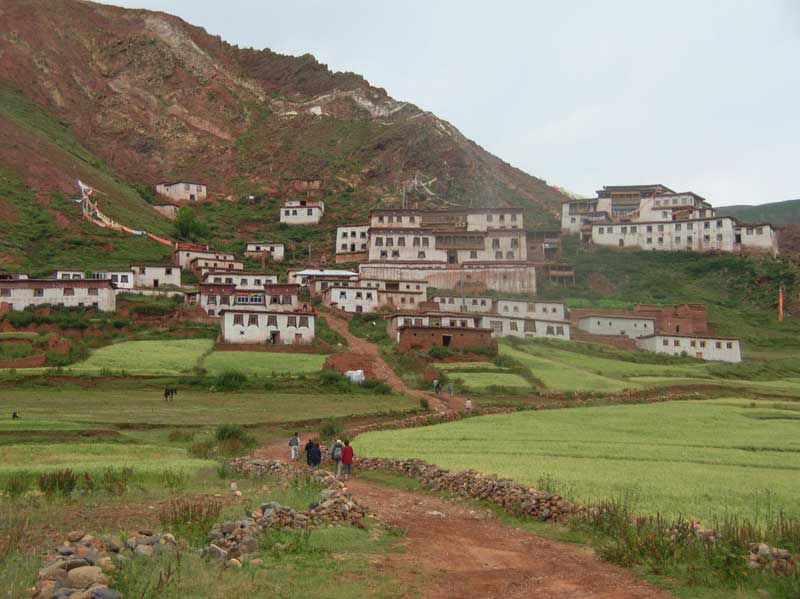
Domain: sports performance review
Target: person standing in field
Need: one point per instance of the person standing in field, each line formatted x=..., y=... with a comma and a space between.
x=294, y=446
x=436, y=385
x=308, y=447
x=450, y=389
x=336, y=456
x=347, y=459
x=468, y=407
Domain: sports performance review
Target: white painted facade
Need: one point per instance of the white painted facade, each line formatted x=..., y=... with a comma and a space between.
x=302, y=212
x=353, y=299
x=302, y=277
x=525, y=328
x=704, y=348
x=538, y=310
x=260, y=325
x=182, y=192
x=464, y=304
x=23, y=293
x=183, y=258
x=122, y=279
x=719, y=233
x=69, y=275
x=145, y=275
x=352, y=239
x=422, y=245
x=204, y=265
x=275, y=251
x=249, y=280
x=598, y=324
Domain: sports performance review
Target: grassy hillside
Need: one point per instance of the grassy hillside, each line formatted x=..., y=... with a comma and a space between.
x=775, y=213
x=741, y=292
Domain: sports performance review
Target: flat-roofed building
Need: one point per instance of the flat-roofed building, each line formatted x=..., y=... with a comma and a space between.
x=155, y=275
x=240, y=279
x=352, y=243
x=526, y=328
x=617, y=325
x=181, y=191
x=267, y=326
x=268, y=249
x=69, y=275
x=302, y=212
x=122, y=279
x=20, y=294
x=711, y=348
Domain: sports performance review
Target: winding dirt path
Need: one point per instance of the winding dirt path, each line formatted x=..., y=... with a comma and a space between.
x=461, y=553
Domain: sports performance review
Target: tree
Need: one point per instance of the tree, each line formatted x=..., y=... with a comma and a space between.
x=188, y=228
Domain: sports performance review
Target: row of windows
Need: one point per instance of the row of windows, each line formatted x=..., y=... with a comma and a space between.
x=645, y=325
x=529, y=327
x=242, y=282
x=360, y=295
x=399, y=219
x=675, y=202
x=272, y=320
x=39, y=291
x=694, y=343
x=345, y=247
x=343, y=234
x=309, y=212
x=401, y=241
x=531, y=308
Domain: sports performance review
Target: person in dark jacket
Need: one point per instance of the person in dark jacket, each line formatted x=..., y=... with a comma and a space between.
x=308, y=447
x=315, y=456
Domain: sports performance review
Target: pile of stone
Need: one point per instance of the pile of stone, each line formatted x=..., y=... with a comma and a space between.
x=762, y=556
x=79, y=568
x=513, y=496
x=233, y=540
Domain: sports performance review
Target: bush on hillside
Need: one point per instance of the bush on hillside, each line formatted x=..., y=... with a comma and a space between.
x=230, y=380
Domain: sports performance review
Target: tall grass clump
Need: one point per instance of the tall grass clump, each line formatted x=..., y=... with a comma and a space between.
x=230, y=380
x=190, y=519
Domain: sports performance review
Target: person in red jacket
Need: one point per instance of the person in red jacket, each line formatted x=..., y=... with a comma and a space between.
x=347, y=459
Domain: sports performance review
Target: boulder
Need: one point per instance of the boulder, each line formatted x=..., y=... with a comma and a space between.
x=86, y=576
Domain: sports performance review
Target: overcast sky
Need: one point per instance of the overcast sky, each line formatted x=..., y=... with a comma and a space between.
x=697, y=95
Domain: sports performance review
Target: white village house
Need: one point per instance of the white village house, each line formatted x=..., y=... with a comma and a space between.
x=155, y=275
x=705, y=348
x=269, y=249
x=20, y=294
x=277, y=319
x=302, y=212
x=617, y=325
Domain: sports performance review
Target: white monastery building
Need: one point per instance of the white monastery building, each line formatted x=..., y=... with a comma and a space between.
x=20, y=294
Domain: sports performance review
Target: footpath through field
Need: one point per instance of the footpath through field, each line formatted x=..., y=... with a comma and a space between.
x=361, y=351
x=463, y=553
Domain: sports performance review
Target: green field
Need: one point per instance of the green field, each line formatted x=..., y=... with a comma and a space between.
x=261, y=364
x=696, y=458
x=480, y=381
x=146, y=357
x=94, y=457
x=190, y=407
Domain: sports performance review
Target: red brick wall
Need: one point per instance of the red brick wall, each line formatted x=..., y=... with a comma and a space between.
x=425, y=338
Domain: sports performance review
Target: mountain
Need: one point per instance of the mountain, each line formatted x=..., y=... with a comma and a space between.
x=775, y=213
x=126, y=98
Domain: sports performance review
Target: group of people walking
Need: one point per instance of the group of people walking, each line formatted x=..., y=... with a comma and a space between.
x=342, y=454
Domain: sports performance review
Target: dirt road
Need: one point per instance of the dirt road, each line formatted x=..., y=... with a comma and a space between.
x=463, y=553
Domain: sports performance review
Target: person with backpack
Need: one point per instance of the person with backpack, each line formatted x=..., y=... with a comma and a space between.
x=347, y=459
x=294, y=446
x=336, y=456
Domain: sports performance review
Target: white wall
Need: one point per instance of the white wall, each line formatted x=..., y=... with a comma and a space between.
x=184, y=257
x=19, y=298
x=505, y=326
x=615, y=326
x=254, y=281
x=123, y=279
x=538, y=310
x=288, y=326
x=301, y=215
x=183, y=191
x=352, y=238
x=467, y=304
x=155, y=276
x=353, y=299
x=277, y=251
x=694, y=235
x=705, y=348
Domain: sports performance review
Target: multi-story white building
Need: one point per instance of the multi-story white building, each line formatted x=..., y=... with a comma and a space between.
x=353, y=299
x=723, y=234
x=200, y=266
x=182, y=192
x=270, y=249
x=617, y=325
x=261, y=325
x=704, y=348
x=240, y=279
x=540, y=310
x=302, y=212
x=20, y=294
x=352, y=243
x=655, y=217
x=155, y=275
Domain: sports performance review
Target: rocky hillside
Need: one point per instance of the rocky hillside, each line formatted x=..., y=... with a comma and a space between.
x=126, y=98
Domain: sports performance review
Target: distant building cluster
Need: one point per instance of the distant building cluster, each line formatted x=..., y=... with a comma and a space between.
x=653, y=217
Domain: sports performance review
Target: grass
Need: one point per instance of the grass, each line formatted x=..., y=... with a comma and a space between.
x=263, y=364
x=696, y=458
x=145, y=405
x=480, y=381
x=145, y=357
x=93, y=457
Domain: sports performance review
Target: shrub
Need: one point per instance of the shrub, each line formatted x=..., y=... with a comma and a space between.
x=116, y=480
x=425, y=404
x=331, y=429
x=230, y=431
x=17, y=484
x=174, y=479
x=203, y=450
x=440, y=353
x=58, y=482
x=190, y=519
x=230, y=380
x=179, y=436
x=86, y=483
x=378, y=387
